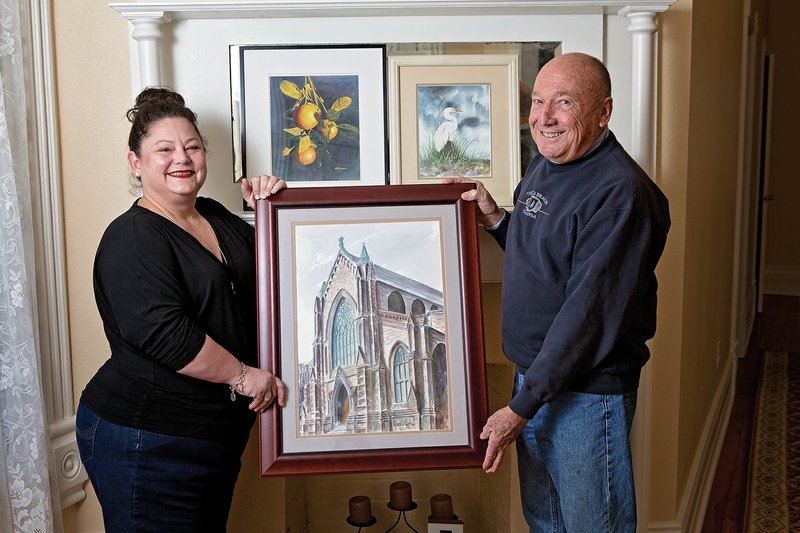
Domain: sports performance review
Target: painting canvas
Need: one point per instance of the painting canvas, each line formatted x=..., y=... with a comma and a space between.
x=455, y=130
x=369, y=313
x=315, y=127
x=404, y=257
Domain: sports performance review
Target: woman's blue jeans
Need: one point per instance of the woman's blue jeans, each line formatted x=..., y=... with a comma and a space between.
x=575, y=466
x=148, y=482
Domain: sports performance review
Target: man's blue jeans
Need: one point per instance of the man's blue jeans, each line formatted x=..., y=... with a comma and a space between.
x=148, y=482
x=575, y=466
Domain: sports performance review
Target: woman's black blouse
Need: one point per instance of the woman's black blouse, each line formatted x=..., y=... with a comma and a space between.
x=159, y=293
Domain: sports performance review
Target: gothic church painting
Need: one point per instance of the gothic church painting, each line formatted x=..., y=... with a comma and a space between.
x=379, y=357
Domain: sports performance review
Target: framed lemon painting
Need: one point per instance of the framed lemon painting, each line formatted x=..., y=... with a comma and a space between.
x=314, y=116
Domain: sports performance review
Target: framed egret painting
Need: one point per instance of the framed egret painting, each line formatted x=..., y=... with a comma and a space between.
x=369, y=311
x=455, y=115
x=312, y=115
x=454, y=130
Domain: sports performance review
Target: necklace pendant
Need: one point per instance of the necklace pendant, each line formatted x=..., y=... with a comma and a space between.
x=233, y=396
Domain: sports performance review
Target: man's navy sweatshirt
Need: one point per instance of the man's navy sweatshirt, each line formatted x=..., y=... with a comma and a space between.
x=579, y=286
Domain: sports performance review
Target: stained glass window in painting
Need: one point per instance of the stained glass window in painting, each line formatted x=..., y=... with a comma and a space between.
x=401, y=374
x=343, y=341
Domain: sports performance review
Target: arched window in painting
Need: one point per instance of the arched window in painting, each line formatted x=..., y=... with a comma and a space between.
x=396, y=303
x=342, y=407
x=401, y=374
x=343, y=336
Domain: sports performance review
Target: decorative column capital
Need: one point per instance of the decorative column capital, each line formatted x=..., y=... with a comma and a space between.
x=146, y=24
x=147, y=35
x=134, y=16
x=643, y=28
x=642, y=19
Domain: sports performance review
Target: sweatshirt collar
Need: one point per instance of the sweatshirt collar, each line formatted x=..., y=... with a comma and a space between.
x=600, y=138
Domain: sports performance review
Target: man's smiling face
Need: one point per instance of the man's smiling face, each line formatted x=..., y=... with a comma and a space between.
x=569, y=108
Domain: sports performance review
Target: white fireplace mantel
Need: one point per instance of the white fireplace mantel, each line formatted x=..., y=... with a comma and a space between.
x=184, y=44
x=149, y=20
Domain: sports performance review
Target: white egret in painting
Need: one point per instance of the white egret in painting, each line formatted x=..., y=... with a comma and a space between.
x=447, y=128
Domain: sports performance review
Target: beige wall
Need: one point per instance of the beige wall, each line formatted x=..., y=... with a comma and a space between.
x=696, y=167
x=675, y=32
x=782, y=250
x=710, y=214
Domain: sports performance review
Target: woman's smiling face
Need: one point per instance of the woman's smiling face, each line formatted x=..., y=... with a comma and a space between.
x=172, y=161
x=569, y=109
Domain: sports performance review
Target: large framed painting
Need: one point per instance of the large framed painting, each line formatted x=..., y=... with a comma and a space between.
x=369, y=310
x=455, y=115
x=311, y=115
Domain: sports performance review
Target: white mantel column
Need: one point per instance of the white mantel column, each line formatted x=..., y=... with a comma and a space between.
x=643, y=27
x=147, y=35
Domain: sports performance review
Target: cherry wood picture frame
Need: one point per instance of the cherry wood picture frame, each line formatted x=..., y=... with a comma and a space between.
x=420, y=425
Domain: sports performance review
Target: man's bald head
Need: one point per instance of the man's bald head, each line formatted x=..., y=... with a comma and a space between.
x=570, y=106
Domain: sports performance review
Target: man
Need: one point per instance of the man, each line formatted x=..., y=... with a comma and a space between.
x=578, y=303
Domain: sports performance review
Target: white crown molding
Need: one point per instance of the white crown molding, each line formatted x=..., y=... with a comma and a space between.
x=337, y=8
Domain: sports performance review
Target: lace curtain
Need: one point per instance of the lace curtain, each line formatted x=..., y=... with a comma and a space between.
x=28, y=492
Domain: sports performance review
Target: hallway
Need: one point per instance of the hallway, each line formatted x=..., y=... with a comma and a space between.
x=777, y=328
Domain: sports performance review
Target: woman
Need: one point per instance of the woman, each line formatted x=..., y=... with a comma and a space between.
x=162, y=425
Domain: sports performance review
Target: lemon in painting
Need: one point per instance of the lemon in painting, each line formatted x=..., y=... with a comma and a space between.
x=329, y=129
x=306, y=116
x=307, y=156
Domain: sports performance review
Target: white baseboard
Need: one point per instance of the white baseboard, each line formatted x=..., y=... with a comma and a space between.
x=692, y=510
x=784, y=281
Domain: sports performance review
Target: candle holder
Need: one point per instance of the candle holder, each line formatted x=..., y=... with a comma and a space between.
x=372, y=522
x=360, y=512
x=442, y=517
x=400, y=500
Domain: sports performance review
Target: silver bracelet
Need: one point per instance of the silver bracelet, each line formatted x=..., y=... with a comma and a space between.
x=239, y=385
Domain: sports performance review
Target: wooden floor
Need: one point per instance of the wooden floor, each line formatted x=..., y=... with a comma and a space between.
x=777, y=328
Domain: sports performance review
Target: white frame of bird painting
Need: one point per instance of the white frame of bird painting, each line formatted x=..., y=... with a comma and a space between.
x=373, y=336
x=312, y=115
x=455, y=115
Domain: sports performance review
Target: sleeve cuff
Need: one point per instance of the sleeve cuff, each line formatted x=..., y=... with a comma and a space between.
x=499, y=223
x=522, y=405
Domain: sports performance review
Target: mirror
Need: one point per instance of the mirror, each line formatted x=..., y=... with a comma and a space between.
x=532, y=55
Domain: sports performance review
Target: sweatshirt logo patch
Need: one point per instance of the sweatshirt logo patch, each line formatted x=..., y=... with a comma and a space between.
x=534, y=203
